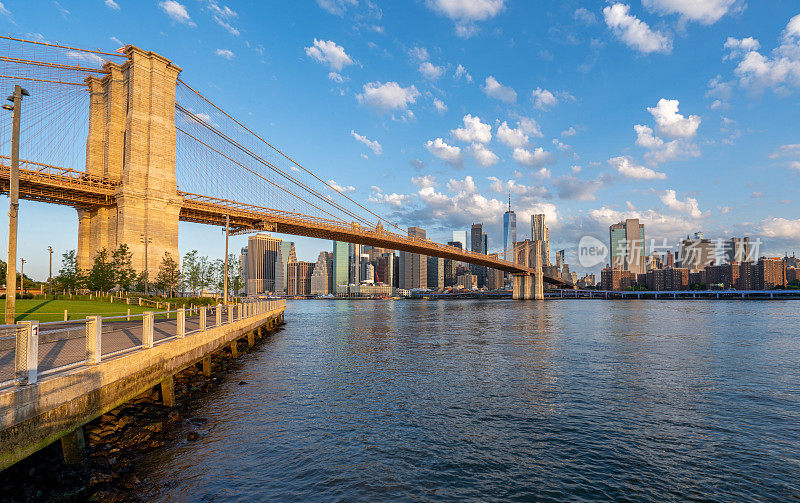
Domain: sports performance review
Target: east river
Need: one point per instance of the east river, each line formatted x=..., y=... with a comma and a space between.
x=580, y=400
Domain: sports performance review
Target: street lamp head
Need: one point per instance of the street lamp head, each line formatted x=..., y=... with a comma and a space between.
x=8, y=107
x=23, y=91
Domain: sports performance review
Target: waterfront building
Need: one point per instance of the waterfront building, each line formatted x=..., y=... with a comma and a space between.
x=792, y=275
x=588, y=281
x=413, y=266
x=243, y=271
x=495, y=279
x=670, y=259
x=288, y=254
x=654, y=261
x=364, y=264
x=792, y=261
x=560, y=255
x=626, y=240
x=676, y=278
x=509, y=231
x=737, y=250
x=369, y=276
x=436, y=273
x=366, y=291
x=697, y=253
x=540, y=232
x=479, y=244
x=299, y=278
x=354, y=273
x=320, y=282
x=341, y=265
x=617, y=279
x=461, y=237
x=451, y=265
x=468, y=281
x=264, y=264
x=770, y=273
x=384, y=269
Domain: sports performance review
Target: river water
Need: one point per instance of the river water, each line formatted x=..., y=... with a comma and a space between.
x=580, y=400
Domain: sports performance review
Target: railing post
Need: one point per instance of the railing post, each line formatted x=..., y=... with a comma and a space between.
x=26, y=355
x=94, y=329
x=181, y=331
x=231, y=314
x=219, y=315
x=203, y=318
x=147, y=329
x=66, y=315
x=168, y=306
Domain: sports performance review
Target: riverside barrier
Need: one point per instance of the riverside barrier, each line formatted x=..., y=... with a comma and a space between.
x=56, y=377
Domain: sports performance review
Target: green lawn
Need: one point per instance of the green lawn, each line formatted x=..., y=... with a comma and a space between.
x=53, y=310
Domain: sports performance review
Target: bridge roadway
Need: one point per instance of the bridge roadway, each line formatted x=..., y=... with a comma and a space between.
x=53, y=184
x=66, y=341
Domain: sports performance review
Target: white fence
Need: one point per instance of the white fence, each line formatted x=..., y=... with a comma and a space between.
x=30, y=350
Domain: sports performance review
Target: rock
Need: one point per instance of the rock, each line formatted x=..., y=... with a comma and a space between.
x=193, y=436
x=242, y=383
x=156, y=427
x=98, y=478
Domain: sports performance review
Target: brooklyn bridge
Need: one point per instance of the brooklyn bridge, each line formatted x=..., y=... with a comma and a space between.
x=135, y=149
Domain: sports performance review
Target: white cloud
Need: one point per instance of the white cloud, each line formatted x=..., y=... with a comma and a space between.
x=419, y=53
x=451, y=154
x=671, y=123
x=794, y=165
x=225, y=53
x=569, y=132
x=340, y=188
x=473, y=131
x=626, y=167
x=781, y=228
x=514, y=138
x=720, y=91
x=223, y=16
x=702, y=11
x=778, y=71
x=536, y=159
x=430, y=71
x=786, y=151
x=424, y=181
x=116, y=40
x=466, y=13
x=111, y=4
x=371, y=144
x=634, y=32
x=388, y=96
x=529, y=126
x=462, y=72
x=5, y=12
x=329, y=53
x=571, y=187
x=393, y=199
x=177, y=12
x=689, y=206
x=585, y=16
x=543, y=99
x=498, y=91
x=440, y=106
x=657, y=223
x=335, y=77
x=483, y=155
x=561, y=146
x=336, y=7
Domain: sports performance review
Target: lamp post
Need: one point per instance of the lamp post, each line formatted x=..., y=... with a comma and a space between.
x=146, y=241
x=13, y=205
x=225, y=274
x=21, y=278
x=50, y=276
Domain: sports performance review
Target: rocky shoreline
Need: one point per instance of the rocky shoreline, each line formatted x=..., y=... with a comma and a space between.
x=116, y=440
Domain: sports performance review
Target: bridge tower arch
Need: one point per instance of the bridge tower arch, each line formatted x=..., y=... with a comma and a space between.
x=529, y=286
x=131, y=140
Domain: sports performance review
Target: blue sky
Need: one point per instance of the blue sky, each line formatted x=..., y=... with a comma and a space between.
x=682, y=113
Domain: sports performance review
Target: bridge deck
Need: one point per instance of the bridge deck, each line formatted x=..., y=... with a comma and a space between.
x=53, y=184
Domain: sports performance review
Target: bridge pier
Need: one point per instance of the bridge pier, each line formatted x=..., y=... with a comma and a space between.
x=168, y=391
x=528, y=287
x=73, y=447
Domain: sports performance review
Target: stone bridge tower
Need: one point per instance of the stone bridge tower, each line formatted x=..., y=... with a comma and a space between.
x=132, y=141
x=528, y=286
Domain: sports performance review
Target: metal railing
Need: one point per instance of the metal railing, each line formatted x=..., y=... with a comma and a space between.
x=30, y=350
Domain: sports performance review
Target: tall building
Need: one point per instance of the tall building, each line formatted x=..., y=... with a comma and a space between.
x=697, y=253
x=243, y=271
x=560, y=255
x=413, y=266
x=288, y=254
x=540, y=232
x=509, y=231
x=769, y=273
x=435, y=273
x=320, y=281
x=450, y=266
x=299, y=278
x=264, y=264
x=341, y=264
x=627, y=246
x=384, y=269
x=738, y=250
x=355, y=273
x=461, y=237
x=479, y=244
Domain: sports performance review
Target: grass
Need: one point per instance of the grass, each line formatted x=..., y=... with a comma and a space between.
x=53, y=310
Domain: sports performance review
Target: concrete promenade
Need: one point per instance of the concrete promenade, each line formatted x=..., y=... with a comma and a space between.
x=58, y=404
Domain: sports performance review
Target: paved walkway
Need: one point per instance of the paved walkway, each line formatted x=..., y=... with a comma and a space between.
x=70, y=344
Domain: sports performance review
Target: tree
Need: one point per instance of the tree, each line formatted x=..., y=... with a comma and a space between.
x=69, y=277
x=234, y=279
x=101, y=276
x=122, y=265
x=217, y=275
x=189, y=272
x=168, y=275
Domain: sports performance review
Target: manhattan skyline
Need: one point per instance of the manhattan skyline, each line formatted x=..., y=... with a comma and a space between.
x=433, y=112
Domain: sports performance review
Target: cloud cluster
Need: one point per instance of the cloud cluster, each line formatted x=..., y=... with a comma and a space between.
x=689, y=205
x=387, y=97
x=466, y=13
x=373, y=145
x=626, y=167
x=473, y=131
x=329, y=53
x=450, y=154
x=498, y=91
x=701, y=11
x=634, y=32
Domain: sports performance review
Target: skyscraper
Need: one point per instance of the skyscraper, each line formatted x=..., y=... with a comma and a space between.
x=627, y=246
x=478, y=244
x=413, y=266
x=509, y=231
x=341, y=264
x=264, y=265
x=697, y=253
x=738, y=250
x=355, y=273
x=461, y=237
x=320, y=282
x=540, y=232
x=288, y=254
